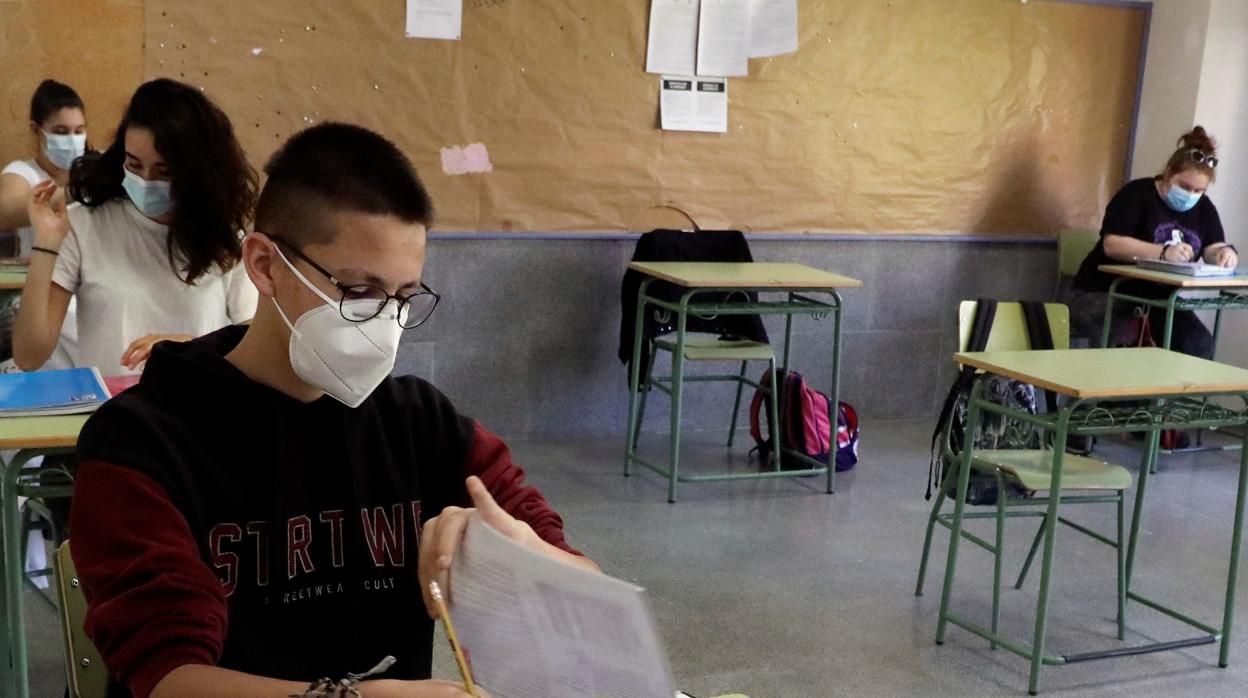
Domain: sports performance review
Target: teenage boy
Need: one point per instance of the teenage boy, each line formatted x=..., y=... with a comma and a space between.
x=268, y=505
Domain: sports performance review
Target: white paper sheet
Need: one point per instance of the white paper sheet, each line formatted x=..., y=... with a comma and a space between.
x=693, y=104
x=724, y=38
x=773, y=27
x=536, y=627
x=434, y=19
x=673, y=42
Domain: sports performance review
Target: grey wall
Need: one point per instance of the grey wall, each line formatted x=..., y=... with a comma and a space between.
x=525, y=339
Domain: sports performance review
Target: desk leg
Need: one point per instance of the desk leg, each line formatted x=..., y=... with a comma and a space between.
x=1046, y=561
x=1174, y=296
x=834, y=418
x=1228, y=613
x=1137, y=513
x=6, y=659
x=13, y=572
x=1109, y=312
x=678, y=391
x=959, y=506
x=634, y=377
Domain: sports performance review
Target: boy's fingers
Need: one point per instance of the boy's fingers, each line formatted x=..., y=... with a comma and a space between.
x=484, y=502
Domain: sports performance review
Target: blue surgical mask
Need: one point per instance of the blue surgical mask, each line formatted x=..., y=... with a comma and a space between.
x=151, y=198
x=1180, y=199
x=63, y=148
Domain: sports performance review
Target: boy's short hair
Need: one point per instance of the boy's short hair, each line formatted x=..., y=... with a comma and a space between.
x=334, y=167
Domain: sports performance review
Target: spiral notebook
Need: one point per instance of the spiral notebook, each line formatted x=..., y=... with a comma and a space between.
x=46, y=393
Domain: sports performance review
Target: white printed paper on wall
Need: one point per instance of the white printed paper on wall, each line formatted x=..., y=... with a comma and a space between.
x=773, y=27
x=724, y=38
x=673, y=40
x=693, y=104
x=435, y=19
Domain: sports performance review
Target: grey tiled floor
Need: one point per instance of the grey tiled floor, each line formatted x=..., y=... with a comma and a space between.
x=773, y=589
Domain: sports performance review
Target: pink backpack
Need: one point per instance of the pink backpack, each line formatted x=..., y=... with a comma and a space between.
x=804, y=426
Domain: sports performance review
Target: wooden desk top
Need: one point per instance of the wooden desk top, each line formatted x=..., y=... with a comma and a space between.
x=12, y=279
x=1111, y=373
x=41, y=432
x=1131, y=271
x=744, y=275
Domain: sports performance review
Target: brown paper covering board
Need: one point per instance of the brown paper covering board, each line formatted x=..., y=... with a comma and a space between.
x=907, y=116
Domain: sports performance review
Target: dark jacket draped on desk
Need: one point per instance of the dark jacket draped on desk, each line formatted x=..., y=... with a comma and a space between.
x=678, y=246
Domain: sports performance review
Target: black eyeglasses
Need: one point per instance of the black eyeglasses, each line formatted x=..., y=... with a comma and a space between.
x=1200, y=157
x=362, y=302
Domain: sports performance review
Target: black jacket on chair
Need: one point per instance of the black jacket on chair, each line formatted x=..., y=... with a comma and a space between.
x=678, y=246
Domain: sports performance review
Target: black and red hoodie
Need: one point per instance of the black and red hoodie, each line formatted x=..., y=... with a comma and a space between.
x=217, y=521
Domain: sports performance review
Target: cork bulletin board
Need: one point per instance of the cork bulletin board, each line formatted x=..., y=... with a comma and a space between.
x=894, y=117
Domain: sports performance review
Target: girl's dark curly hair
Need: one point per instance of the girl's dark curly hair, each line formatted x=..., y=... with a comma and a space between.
x=213, y=186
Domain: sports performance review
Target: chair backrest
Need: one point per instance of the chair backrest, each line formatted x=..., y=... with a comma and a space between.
x=1009, y=327
x=84, y=670
x=1073, y=247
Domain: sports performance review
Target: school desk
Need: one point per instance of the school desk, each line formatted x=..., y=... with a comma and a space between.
x=12, y=279
x=1232, y=294
x=29, y=437
x=797, y=284
x=1096, y=382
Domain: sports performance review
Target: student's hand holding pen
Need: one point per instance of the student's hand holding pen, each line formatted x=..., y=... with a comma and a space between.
x=442, y=535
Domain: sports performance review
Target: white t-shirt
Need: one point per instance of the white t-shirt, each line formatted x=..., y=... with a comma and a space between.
x=115, y=261
x=63, y=356
x=30, y=171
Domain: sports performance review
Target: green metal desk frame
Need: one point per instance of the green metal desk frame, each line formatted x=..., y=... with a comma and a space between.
x=1224, y=300
x=16, y=480
x=795, y=304
x=1097, y=417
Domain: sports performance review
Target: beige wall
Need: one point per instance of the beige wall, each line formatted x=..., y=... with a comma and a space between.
x=1172, y=76
x=1222, y=107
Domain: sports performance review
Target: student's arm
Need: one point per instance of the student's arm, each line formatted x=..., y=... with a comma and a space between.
x=1127, y=249
x=44, y=302
x=13, y=192
x=490, y=460
x=155, y=611
x=199, y=681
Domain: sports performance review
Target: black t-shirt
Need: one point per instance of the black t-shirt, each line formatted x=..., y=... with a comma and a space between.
x=1138, y=211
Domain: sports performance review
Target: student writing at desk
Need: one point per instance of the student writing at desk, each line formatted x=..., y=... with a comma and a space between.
x=151, y=249
x=58, y=129
x=1166, y=217
x=267, y=506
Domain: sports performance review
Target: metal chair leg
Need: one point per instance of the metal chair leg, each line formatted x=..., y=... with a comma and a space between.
x=998, y=546
x=942, y=492
x=1031, y=554
x=736, y=406
x=1120, y=553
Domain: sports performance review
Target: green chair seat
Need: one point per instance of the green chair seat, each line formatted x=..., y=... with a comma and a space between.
x=711, y=348
x=1033, y=470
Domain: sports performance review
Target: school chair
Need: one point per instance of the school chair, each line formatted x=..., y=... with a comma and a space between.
x=1085, y=480
x=1073, y=246
x=731, y=338
x=84, y=670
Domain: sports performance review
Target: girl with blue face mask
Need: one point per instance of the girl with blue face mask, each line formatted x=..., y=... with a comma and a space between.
x=149, y=246
x=1170, y=217
x=58, y=131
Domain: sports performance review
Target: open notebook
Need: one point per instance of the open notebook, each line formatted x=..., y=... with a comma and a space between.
x=1185, y=268
x=536, y=627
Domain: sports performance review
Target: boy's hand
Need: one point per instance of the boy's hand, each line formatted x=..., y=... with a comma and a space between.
x=444, y=533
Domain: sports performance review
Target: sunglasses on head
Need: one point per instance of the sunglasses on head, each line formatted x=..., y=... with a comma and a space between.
x=1200, y=157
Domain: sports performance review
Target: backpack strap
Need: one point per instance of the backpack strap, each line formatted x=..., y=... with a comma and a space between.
x=1040, y=336
x=981, y=326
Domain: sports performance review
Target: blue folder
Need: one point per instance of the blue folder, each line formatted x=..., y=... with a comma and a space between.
x=69, y=391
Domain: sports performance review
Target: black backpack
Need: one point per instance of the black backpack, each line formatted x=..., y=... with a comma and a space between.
x=993, y=431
